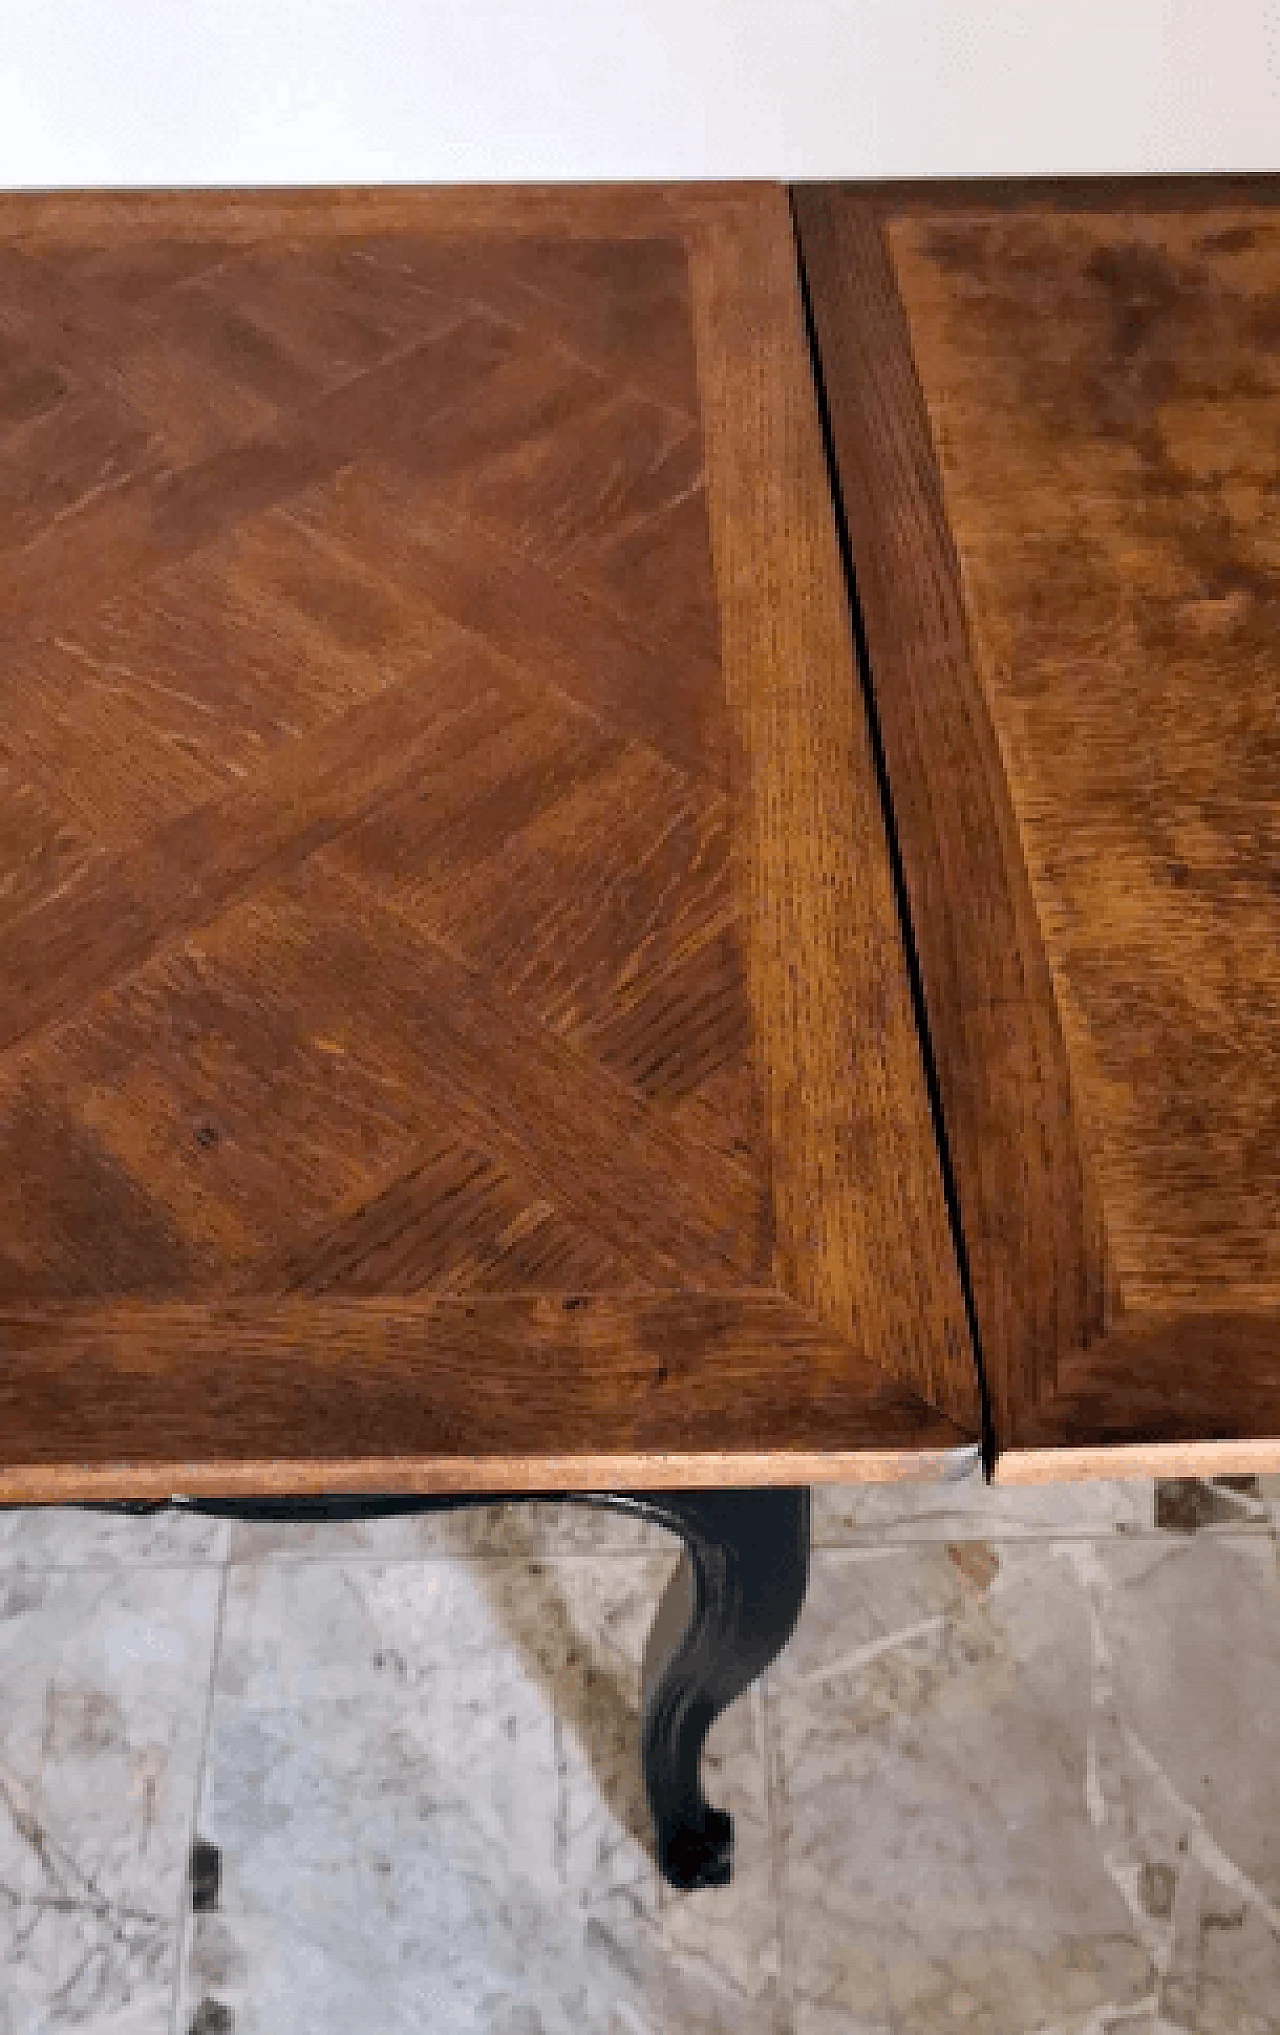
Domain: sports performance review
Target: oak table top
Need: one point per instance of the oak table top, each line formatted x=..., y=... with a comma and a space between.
x=1055, y=413
x=455, y=1031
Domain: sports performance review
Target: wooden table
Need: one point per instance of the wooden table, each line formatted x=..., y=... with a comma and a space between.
x=505, y=990
x=1055, y=414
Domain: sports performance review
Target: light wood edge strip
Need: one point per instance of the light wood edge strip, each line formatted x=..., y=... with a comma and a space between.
x=66, y=1484
x=333, y=212
x=861, y=1230
x=995, y=1030
x=1139, y=1459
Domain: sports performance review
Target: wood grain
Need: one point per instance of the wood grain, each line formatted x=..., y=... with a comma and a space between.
x=436, y=1396
x=447, y=949
x=848, y=1115
x=1057, y=423
x=1035, y=1258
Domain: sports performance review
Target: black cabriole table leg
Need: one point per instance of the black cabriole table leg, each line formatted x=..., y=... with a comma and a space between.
x=728, y=1611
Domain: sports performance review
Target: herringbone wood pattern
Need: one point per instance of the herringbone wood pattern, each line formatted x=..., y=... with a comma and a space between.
x=372, y=921
x=372, y=927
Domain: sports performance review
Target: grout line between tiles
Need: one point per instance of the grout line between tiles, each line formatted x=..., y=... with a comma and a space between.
x=202, y=1762
x=967, y=1527
x=771, y=1751
x=1050, y=1537
x=964, y=1529
x=123, y=1564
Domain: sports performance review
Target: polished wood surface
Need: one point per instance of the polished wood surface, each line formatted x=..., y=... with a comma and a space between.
x=454, y=1031
x=503, y=1391
x=1055, y=412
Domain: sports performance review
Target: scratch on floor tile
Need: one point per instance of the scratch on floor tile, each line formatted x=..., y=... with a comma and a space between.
x=874, y=1648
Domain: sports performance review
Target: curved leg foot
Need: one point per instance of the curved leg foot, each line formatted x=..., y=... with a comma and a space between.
x=729, y=1610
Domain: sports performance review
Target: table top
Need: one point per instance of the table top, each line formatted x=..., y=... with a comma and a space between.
x=455, y=1032
x=1055, y=410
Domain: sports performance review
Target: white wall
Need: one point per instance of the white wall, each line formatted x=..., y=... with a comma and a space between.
x=298, y=91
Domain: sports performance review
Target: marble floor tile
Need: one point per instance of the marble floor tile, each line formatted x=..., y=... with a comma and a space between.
x=65, y=1536
x=424, y=1794
x=103, y=1698
x=546, y=1526
x=1005, y=1780
x=1034, y=1787
x=853, y=1515
x=1231, y=1505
